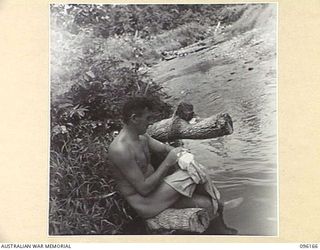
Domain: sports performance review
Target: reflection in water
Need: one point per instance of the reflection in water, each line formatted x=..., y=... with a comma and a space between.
x=219, y=227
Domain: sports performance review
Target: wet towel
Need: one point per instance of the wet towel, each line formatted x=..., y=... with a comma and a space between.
x=191, y=174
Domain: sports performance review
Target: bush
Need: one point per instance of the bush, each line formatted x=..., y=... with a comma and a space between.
x=83, y=197
x=89, y=85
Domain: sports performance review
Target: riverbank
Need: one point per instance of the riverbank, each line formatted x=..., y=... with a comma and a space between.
x=240, y=52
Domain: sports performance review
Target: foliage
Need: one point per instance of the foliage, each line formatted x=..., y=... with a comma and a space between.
x=143, y=20
x=82, y=122
x=83, y=196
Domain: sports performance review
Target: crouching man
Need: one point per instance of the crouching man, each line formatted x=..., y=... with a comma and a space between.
x=138, y=181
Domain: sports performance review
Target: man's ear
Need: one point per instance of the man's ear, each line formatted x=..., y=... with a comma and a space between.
x=133, y=118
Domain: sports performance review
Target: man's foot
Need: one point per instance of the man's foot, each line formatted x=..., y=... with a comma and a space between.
x=232, y=203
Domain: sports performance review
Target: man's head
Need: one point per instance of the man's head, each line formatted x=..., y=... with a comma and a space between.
x=137, y=112
x=185, y=111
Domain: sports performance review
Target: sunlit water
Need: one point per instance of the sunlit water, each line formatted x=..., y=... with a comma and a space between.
x=243, y=164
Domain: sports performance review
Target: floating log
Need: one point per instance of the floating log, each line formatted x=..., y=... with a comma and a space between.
x=187, y=219
x=177, y=128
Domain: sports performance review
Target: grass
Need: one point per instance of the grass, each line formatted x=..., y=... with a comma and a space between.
x=83, y=195
x=180, y=37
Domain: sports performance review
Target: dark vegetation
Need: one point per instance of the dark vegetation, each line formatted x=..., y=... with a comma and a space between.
x=99, y=57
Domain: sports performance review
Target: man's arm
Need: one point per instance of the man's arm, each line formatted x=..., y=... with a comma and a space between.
x=124, y=160
x=158, y=147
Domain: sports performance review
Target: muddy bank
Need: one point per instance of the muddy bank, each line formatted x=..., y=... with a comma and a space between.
x=247, y=50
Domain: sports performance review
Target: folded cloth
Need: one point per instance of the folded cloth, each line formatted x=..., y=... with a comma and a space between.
x=191, y=174
x=196, y=171
x=187, y=219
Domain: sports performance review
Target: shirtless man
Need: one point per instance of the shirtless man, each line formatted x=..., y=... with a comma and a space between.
x=140, y=184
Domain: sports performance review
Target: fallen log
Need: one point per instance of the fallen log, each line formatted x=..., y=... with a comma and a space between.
x=178, y=126
x=187, y=219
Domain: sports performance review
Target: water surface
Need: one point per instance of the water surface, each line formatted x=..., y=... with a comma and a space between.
x=244, y=163
x=241, y=82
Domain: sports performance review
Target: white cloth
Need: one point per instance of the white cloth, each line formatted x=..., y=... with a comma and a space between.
x=191, y=174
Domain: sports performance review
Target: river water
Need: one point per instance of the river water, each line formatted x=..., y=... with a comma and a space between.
x=243, y=164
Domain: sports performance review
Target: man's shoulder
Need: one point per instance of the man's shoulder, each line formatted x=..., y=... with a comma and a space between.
x=144, y=137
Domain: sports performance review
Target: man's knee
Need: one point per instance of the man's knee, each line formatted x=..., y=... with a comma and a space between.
x=206, y=203
x=203, y=201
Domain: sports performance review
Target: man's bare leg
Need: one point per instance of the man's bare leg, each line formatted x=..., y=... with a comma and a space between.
x=204, y=201
x=156, y=202
x=225, y=205
x=165, y=196
x=198, y=201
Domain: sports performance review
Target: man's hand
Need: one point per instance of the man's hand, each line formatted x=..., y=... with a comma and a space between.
x=173, y=156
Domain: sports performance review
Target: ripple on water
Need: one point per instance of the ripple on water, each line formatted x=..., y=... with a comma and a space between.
x=243, y=163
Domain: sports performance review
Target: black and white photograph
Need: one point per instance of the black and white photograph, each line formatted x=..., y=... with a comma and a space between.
x=163, y=119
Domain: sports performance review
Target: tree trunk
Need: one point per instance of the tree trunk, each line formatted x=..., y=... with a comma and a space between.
x=177, y=128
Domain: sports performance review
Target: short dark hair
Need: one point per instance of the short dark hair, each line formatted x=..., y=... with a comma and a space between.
x=184, y=111
x=135, y=105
